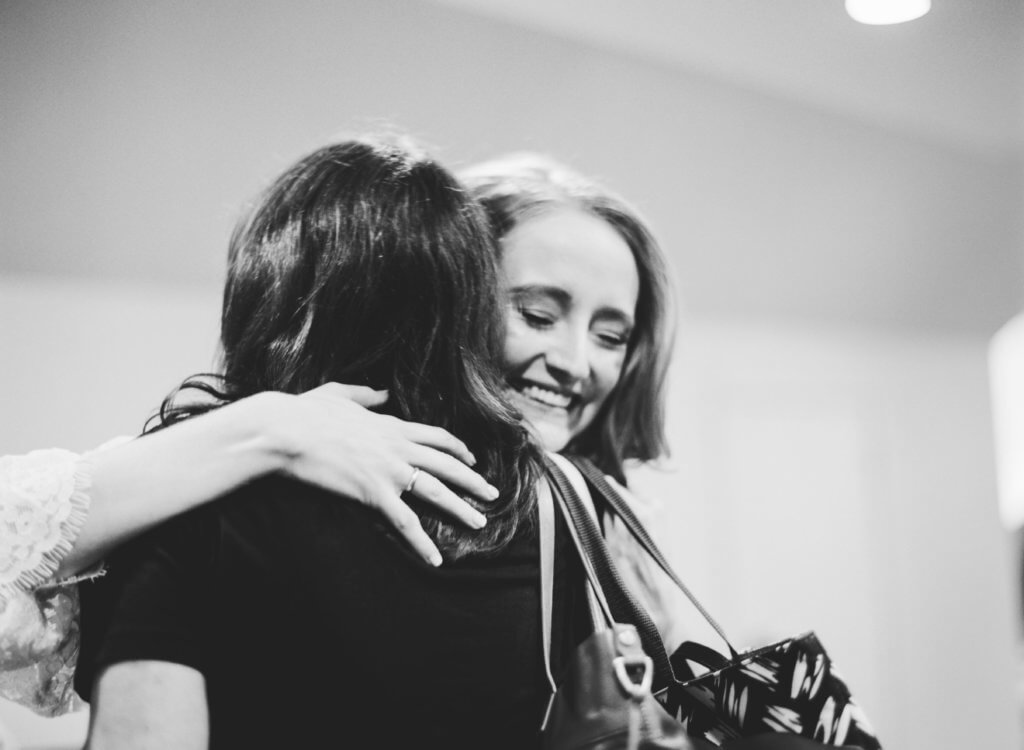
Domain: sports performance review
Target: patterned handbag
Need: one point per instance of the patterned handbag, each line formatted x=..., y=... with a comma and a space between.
x=790, y=687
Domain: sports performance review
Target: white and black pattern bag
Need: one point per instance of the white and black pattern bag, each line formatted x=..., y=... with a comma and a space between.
x=790, y=687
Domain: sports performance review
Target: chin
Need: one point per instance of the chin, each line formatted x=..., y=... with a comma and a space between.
x=551, y=437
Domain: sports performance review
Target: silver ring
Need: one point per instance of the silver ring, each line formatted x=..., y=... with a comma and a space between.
x=412, y=479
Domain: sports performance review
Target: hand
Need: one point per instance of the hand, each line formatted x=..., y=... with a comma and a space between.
x=333, y=440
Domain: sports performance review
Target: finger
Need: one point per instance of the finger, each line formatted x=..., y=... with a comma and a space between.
x=439, y=438
x=434, y=491
x=453, y=472
x=363, y=395
x=408, y=526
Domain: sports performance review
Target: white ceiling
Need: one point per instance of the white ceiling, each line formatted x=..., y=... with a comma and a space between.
x=955, y=75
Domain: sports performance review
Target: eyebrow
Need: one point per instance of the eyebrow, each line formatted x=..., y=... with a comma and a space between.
x=564, y=300
x=556, y=293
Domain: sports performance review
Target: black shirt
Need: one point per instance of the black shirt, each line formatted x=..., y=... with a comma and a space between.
x=314, y=627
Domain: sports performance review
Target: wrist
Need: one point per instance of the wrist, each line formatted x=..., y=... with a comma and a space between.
x=263, y=431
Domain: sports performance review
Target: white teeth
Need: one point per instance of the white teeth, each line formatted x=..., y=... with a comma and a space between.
x=546, y=396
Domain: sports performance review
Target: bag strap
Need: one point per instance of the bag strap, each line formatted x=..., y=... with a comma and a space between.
x=598, y=603
x=622, y=509
x=546, y=534
x=698, y=653
x=601, y=572
x=600, y=611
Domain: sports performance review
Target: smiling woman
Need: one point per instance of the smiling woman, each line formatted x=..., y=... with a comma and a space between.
x=590, y=328
x=572, y=287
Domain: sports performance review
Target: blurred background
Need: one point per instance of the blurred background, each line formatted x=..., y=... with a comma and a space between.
x=844, y=209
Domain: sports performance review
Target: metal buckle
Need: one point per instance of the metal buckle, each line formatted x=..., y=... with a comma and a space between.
x=635, y=690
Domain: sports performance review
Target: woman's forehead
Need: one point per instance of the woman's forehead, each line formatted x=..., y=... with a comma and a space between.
x=574, y=251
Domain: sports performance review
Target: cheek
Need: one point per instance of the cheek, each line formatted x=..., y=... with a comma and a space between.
x=519, y=346
x=607, y=371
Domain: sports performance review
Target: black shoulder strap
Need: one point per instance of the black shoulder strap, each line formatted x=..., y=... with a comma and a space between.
x=624, y=608
x=620, y=507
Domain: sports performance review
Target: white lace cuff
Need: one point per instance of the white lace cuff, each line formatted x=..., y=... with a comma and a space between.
x=44, y=501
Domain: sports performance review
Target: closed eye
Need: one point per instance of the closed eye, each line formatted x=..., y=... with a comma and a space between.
x=535, y=318
x=613, y=339
x=538, y=304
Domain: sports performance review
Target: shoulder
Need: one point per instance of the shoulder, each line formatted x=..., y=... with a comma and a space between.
x=646, y=508
x=282, y=508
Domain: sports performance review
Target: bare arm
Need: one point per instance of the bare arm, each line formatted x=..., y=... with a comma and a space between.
x=149, y=705
x=327, y=437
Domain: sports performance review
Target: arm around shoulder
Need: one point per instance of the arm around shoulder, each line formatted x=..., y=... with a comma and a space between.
x=140, y=483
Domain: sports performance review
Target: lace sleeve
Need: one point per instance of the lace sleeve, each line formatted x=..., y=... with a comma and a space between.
x=43, y=503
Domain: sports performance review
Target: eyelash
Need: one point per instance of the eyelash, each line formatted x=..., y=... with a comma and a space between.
x=613, y=340
x=535, y=319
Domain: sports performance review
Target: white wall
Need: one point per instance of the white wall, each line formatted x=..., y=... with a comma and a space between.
x=87, y=360
x=843, y=481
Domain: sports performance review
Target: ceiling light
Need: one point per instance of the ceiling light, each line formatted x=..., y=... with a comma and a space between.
x=881, y=12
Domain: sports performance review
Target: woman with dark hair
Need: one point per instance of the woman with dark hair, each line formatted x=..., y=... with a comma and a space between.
x=366, y=264
x=278, y=617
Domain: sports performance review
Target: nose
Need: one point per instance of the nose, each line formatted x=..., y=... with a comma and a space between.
x=567, y=357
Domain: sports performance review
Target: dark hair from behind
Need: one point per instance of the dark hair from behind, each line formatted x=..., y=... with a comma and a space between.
x=368, y=263
x=631, y=424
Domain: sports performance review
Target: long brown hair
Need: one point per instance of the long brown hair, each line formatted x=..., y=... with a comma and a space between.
x=367, y=263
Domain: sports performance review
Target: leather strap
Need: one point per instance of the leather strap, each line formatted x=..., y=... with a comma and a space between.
x=701, y=654
x=621, y=508
x=594, y=554
x=579, y=484
x=546, y=534
x=600, y=611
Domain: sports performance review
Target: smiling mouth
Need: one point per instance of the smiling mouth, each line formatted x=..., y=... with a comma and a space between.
x=544, y=396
